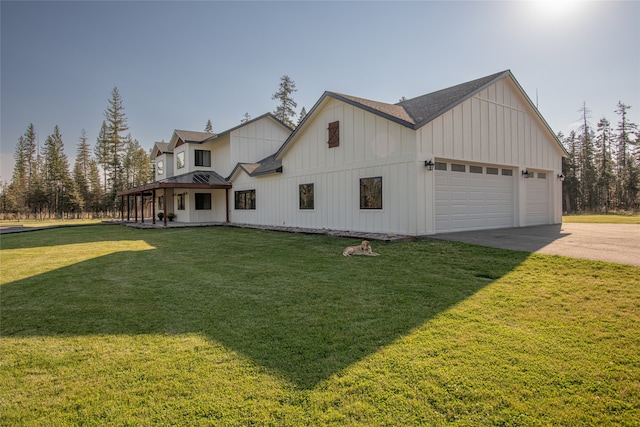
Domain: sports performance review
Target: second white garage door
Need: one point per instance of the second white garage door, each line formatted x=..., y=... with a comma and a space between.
x=473, y=197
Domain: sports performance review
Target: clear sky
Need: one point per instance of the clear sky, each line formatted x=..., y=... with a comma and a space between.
x=178, y=64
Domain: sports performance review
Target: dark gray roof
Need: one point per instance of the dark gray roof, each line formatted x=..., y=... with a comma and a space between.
x=425, y=108
x=265, y=166
x=417, y=112
x=196, y=177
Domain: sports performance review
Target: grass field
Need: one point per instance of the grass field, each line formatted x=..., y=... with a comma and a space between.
x=47, y=222
x=603, y=218
x=219, y=326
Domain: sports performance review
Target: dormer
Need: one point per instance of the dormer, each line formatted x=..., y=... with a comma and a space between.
x=162, y=157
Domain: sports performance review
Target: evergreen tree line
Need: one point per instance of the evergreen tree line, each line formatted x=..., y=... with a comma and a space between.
x=43, y=185
x=602, y=172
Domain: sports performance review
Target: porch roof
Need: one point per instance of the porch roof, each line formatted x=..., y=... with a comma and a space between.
x=198, y=179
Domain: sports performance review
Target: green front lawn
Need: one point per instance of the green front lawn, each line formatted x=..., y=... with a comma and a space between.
x=221, y=326
x=603, y=218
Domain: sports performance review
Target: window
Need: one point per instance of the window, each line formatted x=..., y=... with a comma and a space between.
x=161, y=202
x=475, y=169
x=542, y=175
x=181, y=198
x=180, y=160
x=306, y=196
x=371, y=193
x=245, y=199
x=160, y=167
x=334, y=134
x=441, y=166
x=507, y=172
x=458, y=168
x=203, y=201
x=492, y=171
x=203, y=158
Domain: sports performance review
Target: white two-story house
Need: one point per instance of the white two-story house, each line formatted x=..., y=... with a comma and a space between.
x=472, y=156
x=191, y=171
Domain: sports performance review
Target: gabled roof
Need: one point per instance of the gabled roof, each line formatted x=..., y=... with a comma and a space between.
x=161, y=148
x=265, y=166
x=269, y=115
x=425, y=108
x=190, y=136
x=417, y=112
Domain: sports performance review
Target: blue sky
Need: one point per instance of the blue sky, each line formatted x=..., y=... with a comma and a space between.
x=178, y=64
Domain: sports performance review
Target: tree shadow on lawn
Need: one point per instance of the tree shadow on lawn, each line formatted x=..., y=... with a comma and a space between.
x=304, y=317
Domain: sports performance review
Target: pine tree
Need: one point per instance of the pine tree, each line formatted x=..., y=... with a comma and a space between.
x=137, y=165
x=24, y=171
x=303, y=114
x=628, y=175
x=604, y=165
x=571, y=184
x=208, y=127
x=587, y=172
x=101, y=152
x=96, y=194
x=81, y=167
x=285, y=111
x=116, y=126
x=56, y=173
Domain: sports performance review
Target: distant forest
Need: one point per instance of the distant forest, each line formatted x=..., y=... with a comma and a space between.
x=44, y=186
x=601, y=173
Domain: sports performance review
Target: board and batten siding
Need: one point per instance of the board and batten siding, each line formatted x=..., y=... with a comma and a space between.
x=255, y=141
x=495, y=127
x=370, y=146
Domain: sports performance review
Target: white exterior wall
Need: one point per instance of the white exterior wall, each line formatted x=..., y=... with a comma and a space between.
x=370, y=146
x=255, y=141
x=497, y=126
x=167, y=160
x=190, y=214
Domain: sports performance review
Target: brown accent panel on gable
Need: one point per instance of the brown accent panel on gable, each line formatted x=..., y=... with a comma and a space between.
x=334, y=134
x=180, y=142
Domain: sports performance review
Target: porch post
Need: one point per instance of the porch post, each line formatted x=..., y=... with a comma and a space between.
x=142, y=206
x=135, y=206
x=128, y=207
x=122, y=208
x=153, y=206
x=164, y=198
x=226, y=199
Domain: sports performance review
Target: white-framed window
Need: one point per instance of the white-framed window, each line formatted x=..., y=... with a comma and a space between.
x=180, y=160
x=160, y=167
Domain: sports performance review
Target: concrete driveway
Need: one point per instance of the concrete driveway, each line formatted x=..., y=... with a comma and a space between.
x=619, y=243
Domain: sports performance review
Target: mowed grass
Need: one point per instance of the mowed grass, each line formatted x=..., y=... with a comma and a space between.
x=603, y=218
x=220, y=326
x=31, y=223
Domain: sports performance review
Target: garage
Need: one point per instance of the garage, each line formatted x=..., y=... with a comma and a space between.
x=472, y=197
x=537, y=198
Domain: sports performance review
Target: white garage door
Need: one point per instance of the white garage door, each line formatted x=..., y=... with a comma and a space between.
x=537, y=195
x=473, y=197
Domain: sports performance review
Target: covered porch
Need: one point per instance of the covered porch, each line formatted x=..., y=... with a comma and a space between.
x=165, y=189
